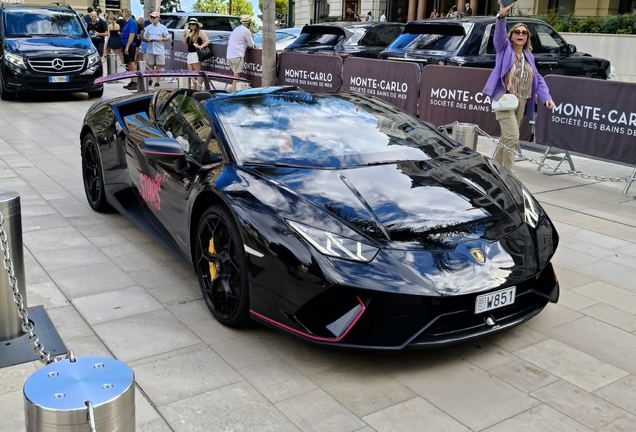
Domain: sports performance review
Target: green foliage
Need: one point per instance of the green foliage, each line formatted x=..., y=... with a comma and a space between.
x=220, y=6
x=281, y=6
x=611, y=24
x=332, y=19
x=242, y=7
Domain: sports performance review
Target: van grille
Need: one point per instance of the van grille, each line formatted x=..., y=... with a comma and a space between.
x=57, y=65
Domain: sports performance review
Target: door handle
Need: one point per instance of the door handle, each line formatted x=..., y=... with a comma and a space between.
x=547, y=63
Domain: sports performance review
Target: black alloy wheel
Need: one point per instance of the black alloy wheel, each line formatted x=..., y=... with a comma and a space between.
x=92, y=175
x=4, y=94
x=221, y=267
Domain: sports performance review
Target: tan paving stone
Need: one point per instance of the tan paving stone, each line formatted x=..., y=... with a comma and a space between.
x=212, y=332
x=578, y=404
x=612, y=316
x=516, y=338
x=277, y=380
x=70, y=258
x=553, y=315
x=540, y=419
x=46, y=294
x=623, y=424
x=12, y=378
x=611, y=273
x=464, y=391
x=484, y=354
x=413, y=415
x=574, y=301
x=570, y=364
x=117, y=304
x=190, y=311
x=601, y=340
x=237, y=407
x=621, y=393
x=362, y=388
x=609, y=294
x=569, y=279
x=244, y=351
x=182, y=373
x=317, y=411
x=12, y=411
x=523, y=375
x=141, y=336
x=91, y=279
x=88, y=346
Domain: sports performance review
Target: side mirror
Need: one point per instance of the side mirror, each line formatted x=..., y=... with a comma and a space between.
x=571, y=49
x=162, y=148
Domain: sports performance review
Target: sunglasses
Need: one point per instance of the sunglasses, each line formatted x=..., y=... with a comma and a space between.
x=520, y=32
x=154, y=17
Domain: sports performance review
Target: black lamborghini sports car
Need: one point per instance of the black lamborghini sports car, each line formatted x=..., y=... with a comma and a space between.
x=332, y=216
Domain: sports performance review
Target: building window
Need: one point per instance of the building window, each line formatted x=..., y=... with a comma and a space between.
x=561, y=7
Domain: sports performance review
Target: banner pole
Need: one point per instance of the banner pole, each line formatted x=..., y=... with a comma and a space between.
x=545, y=155
x=630, y=181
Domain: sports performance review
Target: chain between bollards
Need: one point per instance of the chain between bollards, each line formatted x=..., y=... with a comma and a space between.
x=27, y=326
x=536, y=162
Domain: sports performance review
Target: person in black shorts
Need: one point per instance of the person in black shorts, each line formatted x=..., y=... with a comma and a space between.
x=128, y=33
x=97, y=29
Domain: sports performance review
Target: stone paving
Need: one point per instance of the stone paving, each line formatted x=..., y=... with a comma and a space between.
x=112, y=291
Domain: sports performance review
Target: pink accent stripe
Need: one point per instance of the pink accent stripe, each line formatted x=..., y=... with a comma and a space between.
x=316, y=338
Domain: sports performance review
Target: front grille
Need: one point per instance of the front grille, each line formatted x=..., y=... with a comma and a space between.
x=57, y=65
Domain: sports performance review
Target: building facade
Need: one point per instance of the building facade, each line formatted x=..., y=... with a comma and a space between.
x=81, y=6
x=311, y=11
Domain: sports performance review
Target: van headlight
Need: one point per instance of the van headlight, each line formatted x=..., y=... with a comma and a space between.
x=93, y=59
x=15, y=60
x=334, y=245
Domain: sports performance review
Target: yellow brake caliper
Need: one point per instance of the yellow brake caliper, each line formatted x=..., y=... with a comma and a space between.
x=212, y=266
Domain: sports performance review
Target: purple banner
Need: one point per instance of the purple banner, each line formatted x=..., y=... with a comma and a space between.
x=310, y=72
x=179, y=55
x=449, y=94
x=593, y=117
x=394, y=82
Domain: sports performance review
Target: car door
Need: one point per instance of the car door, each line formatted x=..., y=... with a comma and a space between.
x=550, y=51
x=187, y=121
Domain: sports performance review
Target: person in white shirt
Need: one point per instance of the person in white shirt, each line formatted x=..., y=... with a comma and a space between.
x=156, y=34
x=239, y=41
x=382, y=16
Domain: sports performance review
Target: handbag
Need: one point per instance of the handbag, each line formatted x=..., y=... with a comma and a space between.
x=204, y=53
x=505, y=103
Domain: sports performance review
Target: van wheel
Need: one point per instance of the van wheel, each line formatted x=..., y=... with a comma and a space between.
x=96, y=94
x=4, y=94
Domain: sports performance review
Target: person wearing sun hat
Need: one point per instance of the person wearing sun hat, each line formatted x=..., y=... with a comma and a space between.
x=240, y=40
x=195, y=39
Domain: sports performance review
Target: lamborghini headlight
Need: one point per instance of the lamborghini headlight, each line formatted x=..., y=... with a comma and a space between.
x=331, y=244
x=15, y=60
x=530, y=208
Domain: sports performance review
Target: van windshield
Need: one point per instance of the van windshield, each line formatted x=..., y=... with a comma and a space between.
x=49, y=23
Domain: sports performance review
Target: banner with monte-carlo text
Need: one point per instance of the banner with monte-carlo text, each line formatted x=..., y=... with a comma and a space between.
x=449, y=94
x=392, y=81
x=310, y=72
x=179, y=55
x=593, y=117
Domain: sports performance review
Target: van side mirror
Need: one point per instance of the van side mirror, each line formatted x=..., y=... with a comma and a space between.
x=571, y=49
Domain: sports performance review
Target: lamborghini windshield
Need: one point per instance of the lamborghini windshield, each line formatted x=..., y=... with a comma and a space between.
x=329, y=130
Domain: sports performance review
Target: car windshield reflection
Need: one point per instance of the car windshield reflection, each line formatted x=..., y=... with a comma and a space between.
x=324, y=130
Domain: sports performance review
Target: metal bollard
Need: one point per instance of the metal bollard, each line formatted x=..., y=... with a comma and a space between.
x=183, y=82
x=111, y=64
x=10, y=323
x=142, y=84
x=88, y=394
x=465, y=134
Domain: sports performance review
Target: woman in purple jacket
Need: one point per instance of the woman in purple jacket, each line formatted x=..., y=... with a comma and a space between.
x=514, y=73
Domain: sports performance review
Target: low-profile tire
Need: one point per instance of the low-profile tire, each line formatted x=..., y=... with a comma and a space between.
x=92, y=175
x=96, y=94
x=222, y=267
x=4, y=94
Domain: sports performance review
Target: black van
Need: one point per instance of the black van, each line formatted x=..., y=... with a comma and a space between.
x=46, y=48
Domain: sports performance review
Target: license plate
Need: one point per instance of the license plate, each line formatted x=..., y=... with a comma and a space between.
x=58, y=79
x=494, y=300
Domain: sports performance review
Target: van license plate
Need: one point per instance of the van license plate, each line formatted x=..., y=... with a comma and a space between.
x=495, y=300
x=55, y=79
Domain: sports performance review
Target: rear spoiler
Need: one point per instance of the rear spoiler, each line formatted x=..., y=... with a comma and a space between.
x=206, y=75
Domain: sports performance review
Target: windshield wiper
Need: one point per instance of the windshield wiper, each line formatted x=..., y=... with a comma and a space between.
x=49, y=35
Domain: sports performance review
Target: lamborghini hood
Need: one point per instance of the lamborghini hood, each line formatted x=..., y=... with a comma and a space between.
x=429, y=205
